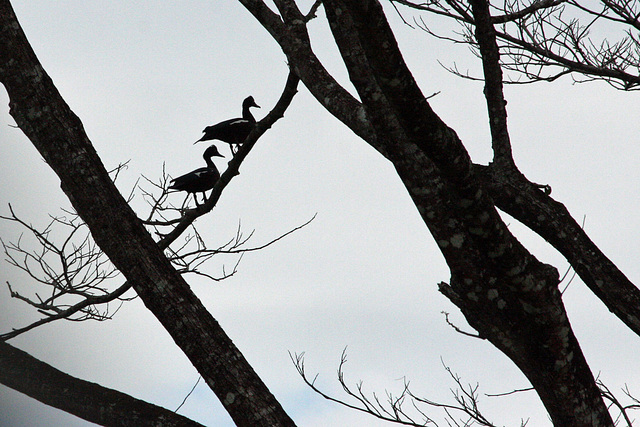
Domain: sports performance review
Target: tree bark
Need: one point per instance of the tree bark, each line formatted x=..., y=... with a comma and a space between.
x=58, y=134
x=514, y=194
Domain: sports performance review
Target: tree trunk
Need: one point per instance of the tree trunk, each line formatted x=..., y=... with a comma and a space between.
x=504, y=292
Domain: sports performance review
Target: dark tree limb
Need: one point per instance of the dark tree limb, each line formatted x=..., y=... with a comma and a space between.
x=541, y=213
x=496, y=104
x=551, y=220
x=58, y=134
x=89, y=401
x=496, y=283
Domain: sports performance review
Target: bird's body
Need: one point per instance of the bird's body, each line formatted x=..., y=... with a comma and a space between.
x=197, y=181
x=233, y=131
x=201, y=179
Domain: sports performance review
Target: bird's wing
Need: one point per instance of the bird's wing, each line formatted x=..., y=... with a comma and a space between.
x=224, y=124
x=188, y=177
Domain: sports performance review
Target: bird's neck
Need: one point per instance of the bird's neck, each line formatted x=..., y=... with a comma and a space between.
x=246, y=114
x=209, y=162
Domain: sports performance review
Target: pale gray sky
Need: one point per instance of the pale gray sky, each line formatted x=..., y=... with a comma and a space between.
x=146, y=77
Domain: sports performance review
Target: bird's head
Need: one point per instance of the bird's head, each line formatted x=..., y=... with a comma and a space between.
x=249, y=102
x=212, y=151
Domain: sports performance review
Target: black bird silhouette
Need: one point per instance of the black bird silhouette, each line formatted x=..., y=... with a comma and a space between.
x=201, y=179
x=233, y=131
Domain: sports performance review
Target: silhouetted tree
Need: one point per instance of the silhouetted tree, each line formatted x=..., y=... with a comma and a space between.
x=509, y=296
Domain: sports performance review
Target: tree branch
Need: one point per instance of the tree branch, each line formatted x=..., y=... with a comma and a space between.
x=538, y=39
x=464, y=412
x=496, y=104
x=551, y=220
x=83, y=399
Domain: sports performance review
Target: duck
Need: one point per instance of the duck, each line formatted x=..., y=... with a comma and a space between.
x=201, y=179
x=233, y=131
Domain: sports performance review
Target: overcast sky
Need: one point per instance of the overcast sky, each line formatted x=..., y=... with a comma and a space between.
x=147, y=77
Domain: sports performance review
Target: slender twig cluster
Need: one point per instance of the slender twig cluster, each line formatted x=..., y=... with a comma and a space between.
x=543, y=40
x=614, y=404
x=68, y=271
x=405, y=408
x=408, y=408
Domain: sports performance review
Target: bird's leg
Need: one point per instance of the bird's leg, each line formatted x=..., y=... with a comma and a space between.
x=184, y=203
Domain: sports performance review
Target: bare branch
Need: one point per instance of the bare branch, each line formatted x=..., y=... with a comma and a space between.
x=457, y=329
x=363, y=403
x=72, y=310
x=546, y=39
x=74, y=269
x=622, y=409
x=188, y=394
x=465, y=412
x=518, y=390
